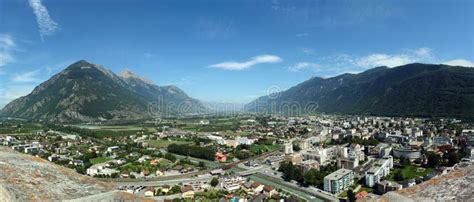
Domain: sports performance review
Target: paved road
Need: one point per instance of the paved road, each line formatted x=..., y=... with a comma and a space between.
x=163, y=182
x=310, y=194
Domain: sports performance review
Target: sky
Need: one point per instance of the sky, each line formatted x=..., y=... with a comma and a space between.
x=228, y=51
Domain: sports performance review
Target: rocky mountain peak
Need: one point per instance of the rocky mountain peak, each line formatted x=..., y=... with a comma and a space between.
x=127, y=75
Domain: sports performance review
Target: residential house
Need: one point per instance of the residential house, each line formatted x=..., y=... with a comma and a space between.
x=361, y=195
x=112, y=149
x=269, y=191
x=187, y=191
x=258, y=198
x=247, y=187
x=150, y=192
x=257, y=187
x=309, y=164
x=221, y=157
x=232, y=143
x=232, y=183
x=165, y=189
x=295, y=159
x=154, y=162
x=386, y=186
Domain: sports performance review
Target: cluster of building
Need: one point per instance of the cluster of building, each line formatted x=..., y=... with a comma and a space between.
x=234, y=142
x=330, y=142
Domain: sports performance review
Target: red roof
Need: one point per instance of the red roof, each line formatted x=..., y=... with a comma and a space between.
x=187, y=188
x=255, y=185
x=267, y=188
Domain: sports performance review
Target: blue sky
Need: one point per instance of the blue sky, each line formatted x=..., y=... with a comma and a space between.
x=227, y=51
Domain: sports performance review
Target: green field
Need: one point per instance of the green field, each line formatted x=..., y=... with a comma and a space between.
x=409, y=172
x=255, y=148
x=99, y=160
x=164, y=143
x=18, y=128
x=109, y=131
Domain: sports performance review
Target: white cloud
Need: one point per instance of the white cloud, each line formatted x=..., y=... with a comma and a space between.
x=232, y=65
x=302, y=35
x=335, y=64
x=375, y=60
x=47, y=26
x=424, y=52
x=304, y=66
x=26, y=77
x=7, y=45
x=459, y=62
x=308, y=51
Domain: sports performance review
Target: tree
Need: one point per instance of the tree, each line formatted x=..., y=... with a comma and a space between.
x=194, y=151
x=404, y=161
x=453, y=157
x=176, y=200
x=175, y=189
x=296, y=147
x=351, y=195
x=399, y=175
x=214, y=182
x=291, y=172
x=314, y=177
x=433, y=160
x=201, y=164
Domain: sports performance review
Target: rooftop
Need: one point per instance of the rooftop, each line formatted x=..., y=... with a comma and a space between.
x=338, y=174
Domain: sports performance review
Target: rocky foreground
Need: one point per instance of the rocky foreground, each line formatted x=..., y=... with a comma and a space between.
x=457, y=185
x=29, y=178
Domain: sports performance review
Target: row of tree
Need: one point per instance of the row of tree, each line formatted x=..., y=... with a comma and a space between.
x=193, y=151
x=72, y=129
x=312, y=177
x=449, y=158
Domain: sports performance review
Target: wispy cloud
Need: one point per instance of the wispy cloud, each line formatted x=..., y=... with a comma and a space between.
x=47, y=26
x=393, y=60
x=308, y=51
x=212, y=28
x=304, y=66
x=232, y=65
x=26, y=77
x=459, y=62
x=423, y=52
x=302, y=35
x=336, y=64
x=7, y=45
x=378, y=59
x=311, y=13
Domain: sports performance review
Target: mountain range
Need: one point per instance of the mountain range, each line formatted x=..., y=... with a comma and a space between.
x=424, y=90
x=86, y=92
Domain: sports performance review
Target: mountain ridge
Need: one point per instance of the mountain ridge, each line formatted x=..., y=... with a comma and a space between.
x=408, y=90
x=86, y=92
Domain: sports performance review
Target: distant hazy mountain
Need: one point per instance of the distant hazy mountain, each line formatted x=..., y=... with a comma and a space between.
x=408, y=90
x=88, y=92
x=225, y=107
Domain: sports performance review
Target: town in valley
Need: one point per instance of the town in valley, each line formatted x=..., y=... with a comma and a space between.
x=249, y=157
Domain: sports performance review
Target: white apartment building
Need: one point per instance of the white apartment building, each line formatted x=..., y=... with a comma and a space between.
x=380, y=169
x=338, y=181
x=288, y=148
